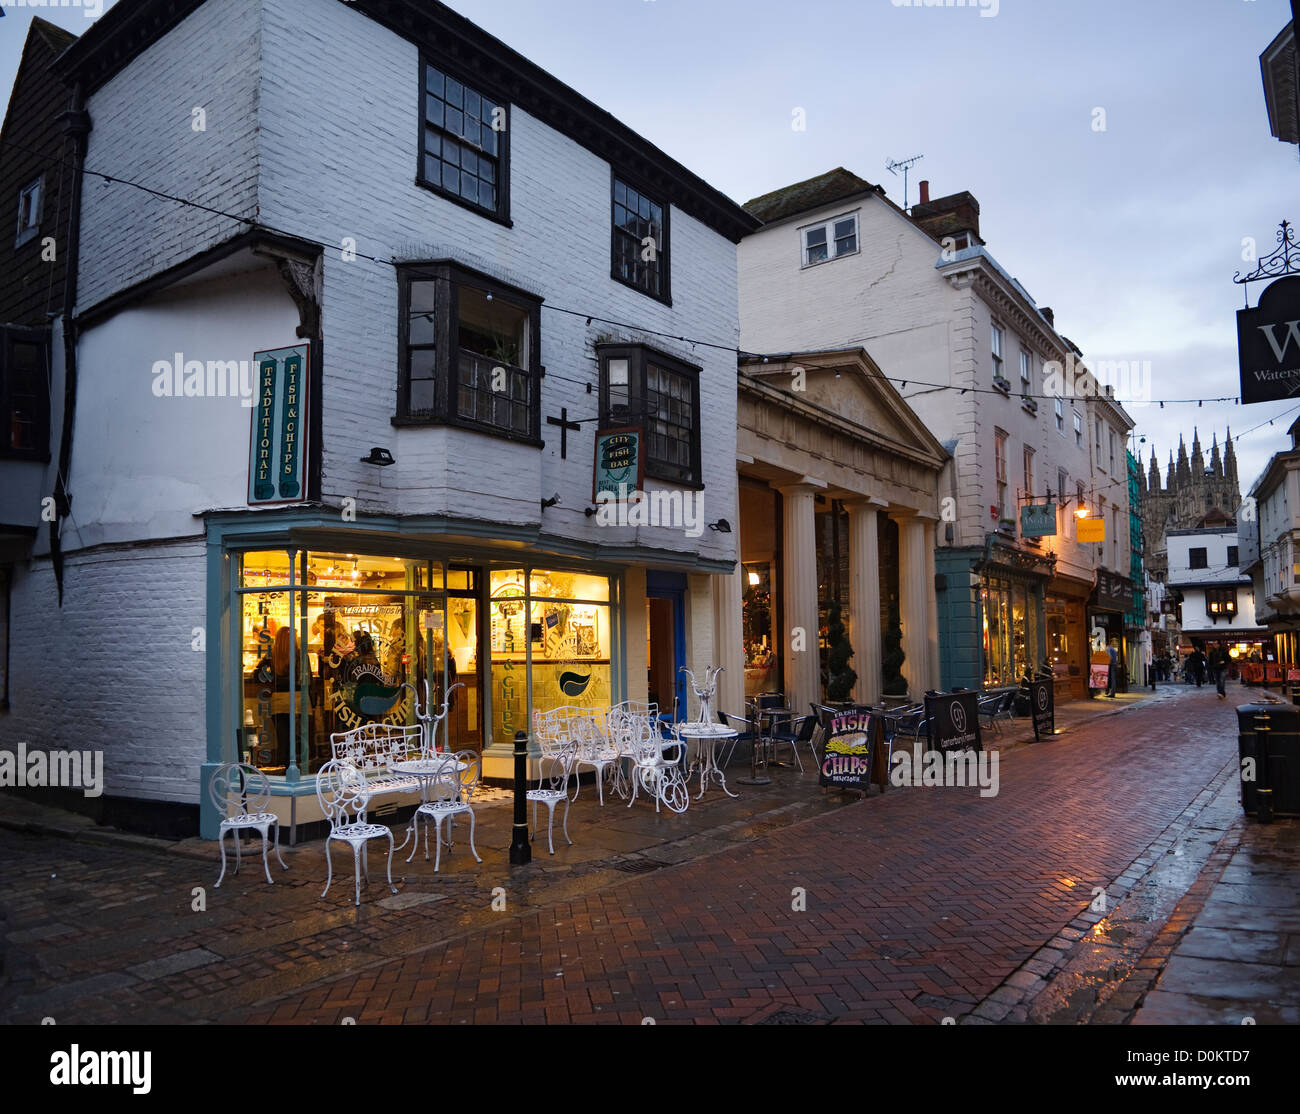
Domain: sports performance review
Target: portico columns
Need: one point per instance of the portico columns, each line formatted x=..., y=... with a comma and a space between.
x=915, y=564
x=729, y=637
x=799, y=553
x=864, y=599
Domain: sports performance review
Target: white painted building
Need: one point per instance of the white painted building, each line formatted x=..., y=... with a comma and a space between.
x=838, y=265
x=1217, y=599
x=1275, y=503
x=453, y=234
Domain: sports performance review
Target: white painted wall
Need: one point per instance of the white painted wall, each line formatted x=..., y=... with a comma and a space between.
x=890, y=299
x=144, y=130
x=338, y=151
x=113, y=670
x=143, y=465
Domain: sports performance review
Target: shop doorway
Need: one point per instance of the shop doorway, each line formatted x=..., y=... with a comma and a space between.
x=666, y=640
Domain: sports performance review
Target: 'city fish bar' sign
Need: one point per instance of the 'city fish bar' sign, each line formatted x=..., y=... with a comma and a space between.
x=620, y=464
x=1268, y=344
x=1038, y=520
x=278, y=444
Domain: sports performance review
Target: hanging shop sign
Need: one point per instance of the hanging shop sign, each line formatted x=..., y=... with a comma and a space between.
x=851, y=745
x=1042, y=706
x=1038, y=520
x=278, y=440
x=954, y=721
x=1091, y=530
x=1268, y=343
x=620, y=464
x=1113, y=592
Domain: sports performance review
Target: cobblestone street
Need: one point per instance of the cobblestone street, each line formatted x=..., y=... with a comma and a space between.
x=921, y=904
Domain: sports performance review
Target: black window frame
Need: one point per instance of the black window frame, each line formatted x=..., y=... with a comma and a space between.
x=501, y=214
x=449, y=278
x=665, y=292
x=1198, y=553
x=9, y=335
x=1226, y=597
x=639, y=357
x=1234, y=556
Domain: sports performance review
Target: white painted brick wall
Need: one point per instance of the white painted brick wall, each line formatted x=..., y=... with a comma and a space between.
x=142, y=131
x=890, y=299
x=113, y=669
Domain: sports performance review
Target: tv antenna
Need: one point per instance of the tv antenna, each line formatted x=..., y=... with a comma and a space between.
x=895, y=165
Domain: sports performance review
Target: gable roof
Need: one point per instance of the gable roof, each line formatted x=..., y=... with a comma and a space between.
x=128, y=28
x=56, y=38
x=815, y=193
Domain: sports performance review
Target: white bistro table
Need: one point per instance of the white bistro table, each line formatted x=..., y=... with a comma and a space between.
x=707, y=736
x=426, y=771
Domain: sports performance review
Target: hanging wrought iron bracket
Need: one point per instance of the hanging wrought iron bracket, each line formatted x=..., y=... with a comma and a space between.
x=1285, y=260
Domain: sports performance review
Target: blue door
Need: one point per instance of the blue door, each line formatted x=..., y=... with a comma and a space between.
x=666, y=654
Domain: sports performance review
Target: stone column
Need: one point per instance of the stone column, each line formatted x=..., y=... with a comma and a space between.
x=931, y=608
x=864, y=600
x=799, y=562
x=729, y=636
x=914, y=611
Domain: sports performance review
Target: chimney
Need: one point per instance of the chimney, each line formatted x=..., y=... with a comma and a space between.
x=947, y=216
x=1046, y=311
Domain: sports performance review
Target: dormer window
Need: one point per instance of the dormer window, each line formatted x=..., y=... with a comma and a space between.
x=31, y=201
x=830, y=240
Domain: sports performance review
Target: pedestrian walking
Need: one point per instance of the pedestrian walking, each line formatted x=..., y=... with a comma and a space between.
x=1112, y=672
x=1219, y=667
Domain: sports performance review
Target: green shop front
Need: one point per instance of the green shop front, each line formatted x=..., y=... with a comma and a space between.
x=323, y=629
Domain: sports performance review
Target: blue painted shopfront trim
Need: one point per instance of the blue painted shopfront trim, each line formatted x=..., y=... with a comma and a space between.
x=411, y=537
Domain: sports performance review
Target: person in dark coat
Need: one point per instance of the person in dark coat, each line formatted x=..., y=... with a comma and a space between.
x=1219, y=668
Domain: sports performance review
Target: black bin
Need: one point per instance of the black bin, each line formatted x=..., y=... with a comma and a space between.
x=1280, y=769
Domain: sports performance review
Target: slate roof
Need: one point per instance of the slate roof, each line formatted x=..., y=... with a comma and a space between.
x=825, y=189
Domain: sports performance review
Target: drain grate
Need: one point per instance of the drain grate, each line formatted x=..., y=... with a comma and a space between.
x=795, y=1017
x=637, y=866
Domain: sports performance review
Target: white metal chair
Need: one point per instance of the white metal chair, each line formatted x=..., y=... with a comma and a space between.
x=656, y=761
x=559, y=755
x=589, y=729
x=240, y=794
x=344, y=796
x=451, y=796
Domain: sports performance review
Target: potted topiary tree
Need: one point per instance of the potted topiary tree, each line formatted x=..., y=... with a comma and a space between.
x=840, y=678
x=893, y=657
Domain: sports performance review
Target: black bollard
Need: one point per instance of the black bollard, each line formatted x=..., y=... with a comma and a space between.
x=1263, y=791
x=521, y=851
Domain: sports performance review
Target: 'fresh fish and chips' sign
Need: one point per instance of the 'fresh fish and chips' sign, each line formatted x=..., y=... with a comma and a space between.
x=849, y=749
x=278, y=440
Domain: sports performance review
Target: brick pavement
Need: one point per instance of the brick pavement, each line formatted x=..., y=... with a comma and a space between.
x=919, y=904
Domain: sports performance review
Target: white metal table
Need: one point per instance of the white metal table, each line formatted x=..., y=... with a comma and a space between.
x=707, y=736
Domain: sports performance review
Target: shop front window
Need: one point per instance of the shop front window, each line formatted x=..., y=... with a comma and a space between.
x=762, y=665
x=550, y=637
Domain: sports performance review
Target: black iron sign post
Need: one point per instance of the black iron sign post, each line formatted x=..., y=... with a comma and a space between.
x=1268, y=336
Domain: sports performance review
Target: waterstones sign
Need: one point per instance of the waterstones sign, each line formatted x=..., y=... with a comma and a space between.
x=278, y=440
x=1268, y=344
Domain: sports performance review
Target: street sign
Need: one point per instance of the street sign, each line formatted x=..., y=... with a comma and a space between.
x=1268, y=344
x=954, y=721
